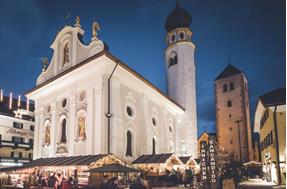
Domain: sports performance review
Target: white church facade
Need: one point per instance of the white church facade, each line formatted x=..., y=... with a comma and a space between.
x=87, y=101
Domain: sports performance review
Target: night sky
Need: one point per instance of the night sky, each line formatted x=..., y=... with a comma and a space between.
x=252, y=33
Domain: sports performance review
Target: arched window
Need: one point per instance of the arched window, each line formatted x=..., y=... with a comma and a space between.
x=172, y=59
x=153, y=146
x=129, y=144
x=63, y=131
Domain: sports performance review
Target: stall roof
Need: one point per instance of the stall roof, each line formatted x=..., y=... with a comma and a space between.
x=184, y=159
x=113, y=168
x=154, y=158
x=59, y=161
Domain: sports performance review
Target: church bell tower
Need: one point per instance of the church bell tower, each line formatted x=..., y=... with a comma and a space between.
x=180, y=70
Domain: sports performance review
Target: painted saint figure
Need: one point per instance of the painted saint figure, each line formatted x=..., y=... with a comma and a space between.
x=82, y=127
x=66, y=54
x=47, y=134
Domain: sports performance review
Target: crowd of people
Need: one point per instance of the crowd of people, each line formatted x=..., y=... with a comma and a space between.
x=56, y=181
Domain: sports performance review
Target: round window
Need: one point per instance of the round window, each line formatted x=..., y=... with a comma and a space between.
x=129, y=111
x=153, y=121
x=64, y=103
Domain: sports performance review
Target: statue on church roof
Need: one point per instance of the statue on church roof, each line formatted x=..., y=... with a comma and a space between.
x=77, y=20
x=96, y=28
x=45, y=63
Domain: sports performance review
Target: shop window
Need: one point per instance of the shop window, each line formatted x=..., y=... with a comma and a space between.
x=224, y=87
x=129, y=144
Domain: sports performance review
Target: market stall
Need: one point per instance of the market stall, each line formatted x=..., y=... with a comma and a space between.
x=72, y=167
x=97, y=175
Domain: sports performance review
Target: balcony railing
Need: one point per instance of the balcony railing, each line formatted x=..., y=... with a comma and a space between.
x=6, y=143
x=14, y=160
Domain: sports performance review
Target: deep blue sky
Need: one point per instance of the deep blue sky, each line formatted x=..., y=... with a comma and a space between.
x=252, y=33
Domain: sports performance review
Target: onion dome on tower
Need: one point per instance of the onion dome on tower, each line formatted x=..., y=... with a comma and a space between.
x=177, y=25
x=178, y=18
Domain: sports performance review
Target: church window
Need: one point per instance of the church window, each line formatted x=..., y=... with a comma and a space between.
x=153, y=146
x=63, y=131
x=181, y=35
x=172, y=59
x=64, y=103
x=48, y=109
x=229, y=103
x=129, y=144
x=231, y=86
x=154, y=122
x=224, y=87
x=129, y=111
x=170, y=129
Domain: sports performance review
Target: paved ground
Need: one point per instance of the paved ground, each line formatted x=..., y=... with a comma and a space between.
x=258, y=184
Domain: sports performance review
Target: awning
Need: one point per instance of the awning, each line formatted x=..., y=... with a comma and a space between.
x=59, y=161
x=113, y=168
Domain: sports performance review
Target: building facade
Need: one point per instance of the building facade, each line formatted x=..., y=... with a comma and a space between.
x=232, y=114
x=16, y=131
x=270, y=123
x=90, y=102
x=180, y=68
x=205, y=136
